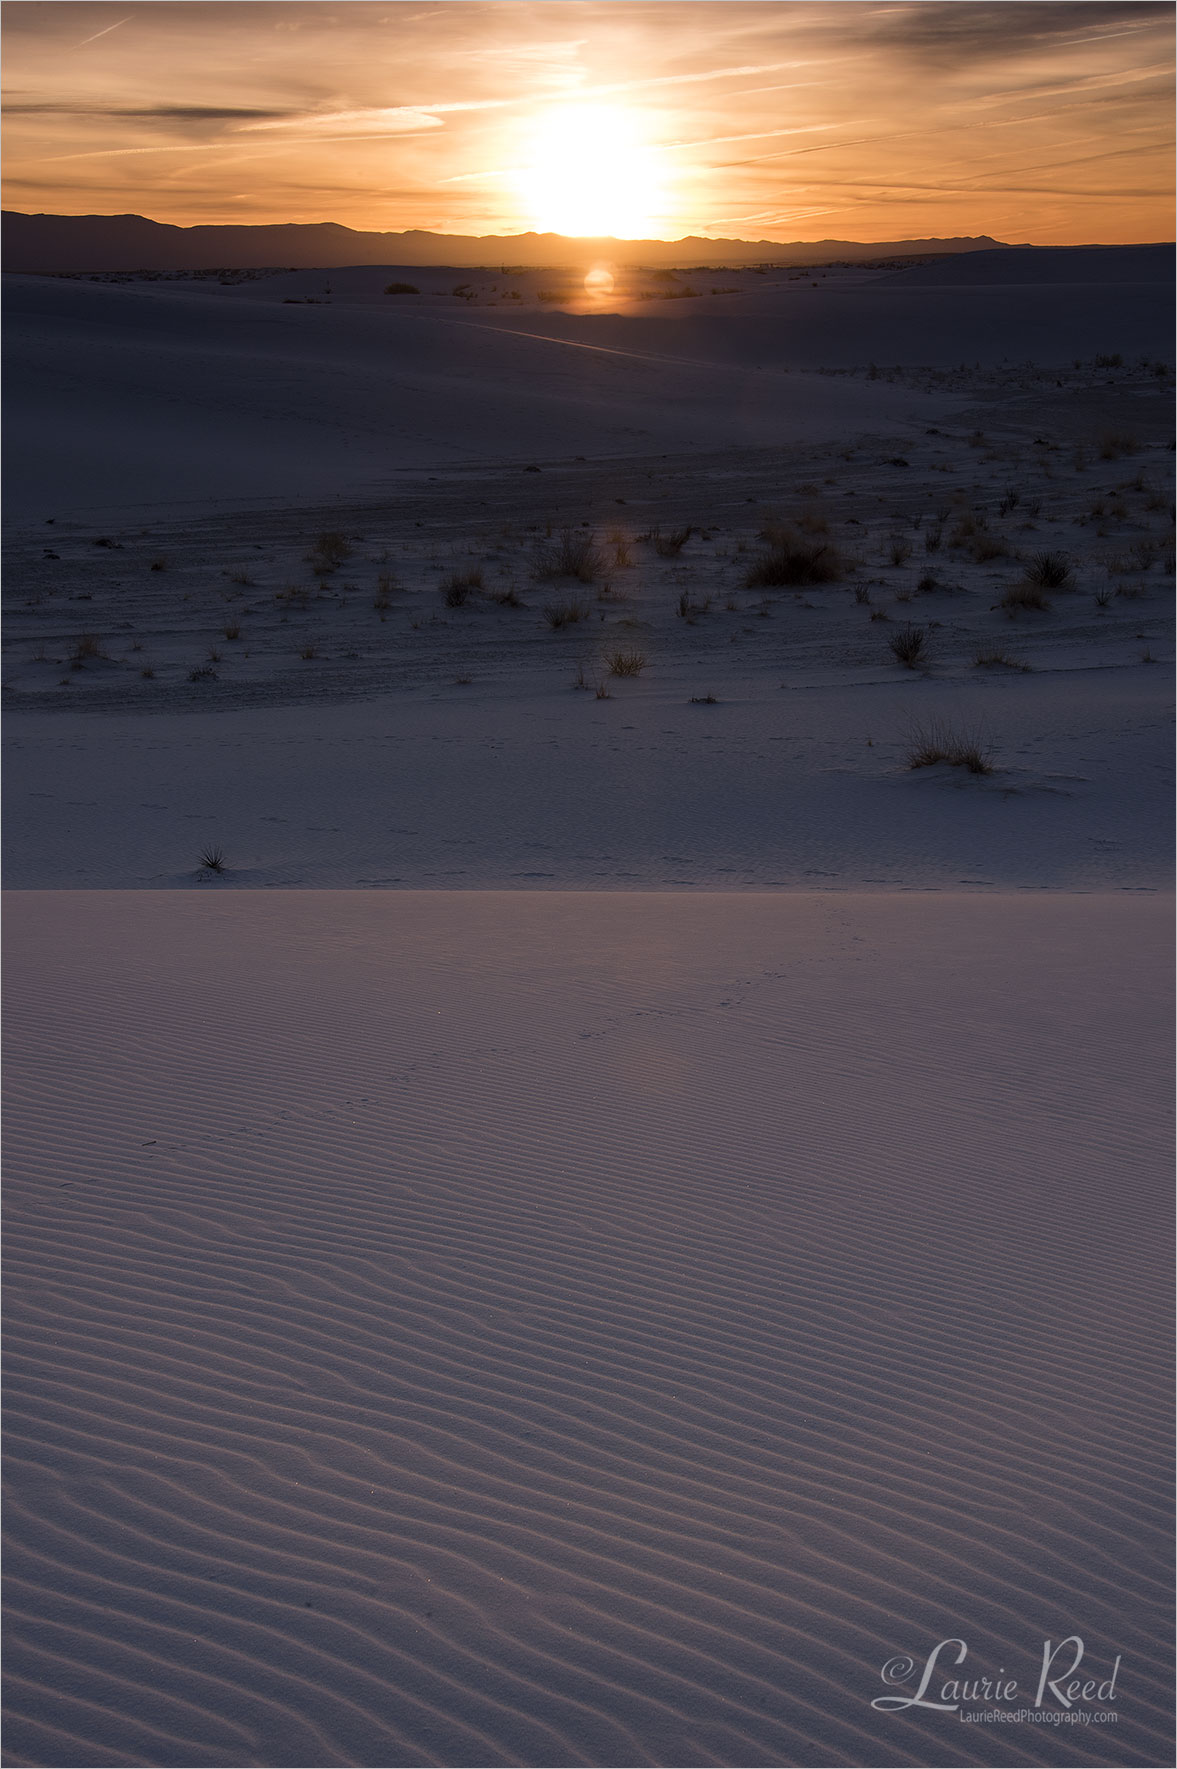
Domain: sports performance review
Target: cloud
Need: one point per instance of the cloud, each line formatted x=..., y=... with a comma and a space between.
x=393, y=120
x=165, y=113
x=944, y=32
x=105, y=31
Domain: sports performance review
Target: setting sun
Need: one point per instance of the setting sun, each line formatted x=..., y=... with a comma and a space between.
x=589, y=172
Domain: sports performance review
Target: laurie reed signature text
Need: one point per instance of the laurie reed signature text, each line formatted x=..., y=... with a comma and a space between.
x=1060, y=1689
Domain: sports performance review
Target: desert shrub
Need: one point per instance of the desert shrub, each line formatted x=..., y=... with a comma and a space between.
x=87, y=645
x=212, y=859
x=1114, y=361
x=308, y=652
x=626, y=663
x=574, y=554
x=792, y=561
x=703, y=700
x=862, y=595
x=937, y=741
x=1010, y=501
x=566, y=614
x=1022, y=596
x=999, y=660
x=669, y=546
x=202, y=673
x=232, y=629
x=401, y=289
x=899, y=549
x=986, y=547
x=927, y=584
x=932, y=538
x=1103, y=598
x=328, y=552
x=622, y=555
x=908, y=646
x=1114, y=444
x=459, y=586
x=1049, y=571
x=509, y=598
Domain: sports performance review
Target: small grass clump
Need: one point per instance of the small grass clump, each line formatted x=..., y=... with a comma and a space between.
x=792, y=561
x=566, y=614
x=909, y=646
x=202, y=673
x=626, y=663
x=1115, y=444
x=328, y=552
x=401, y=289
x=1020, y=598
x=459, y=586
x=1048, y=571
x=574, y=554
x=232, y=629
x=669, y=546
x=703, y=700
x=86, y=646
x=899, y=549
x=212, y=859
x=937, y=741
x=999, y=660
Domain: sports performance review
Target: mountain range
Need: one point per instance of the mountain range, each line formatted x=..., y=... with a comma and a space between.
x=57, y=243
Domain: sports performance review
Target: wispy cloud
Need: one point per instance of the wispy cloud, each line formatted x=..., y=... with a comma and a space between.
x=105, y=31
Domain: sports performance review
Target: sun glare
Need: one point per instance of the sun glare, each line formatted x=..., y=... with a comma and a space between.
x=589, y=173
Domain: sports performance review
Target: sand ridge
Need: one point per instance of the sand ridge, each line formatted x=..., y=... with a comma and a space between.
x=618, y=1369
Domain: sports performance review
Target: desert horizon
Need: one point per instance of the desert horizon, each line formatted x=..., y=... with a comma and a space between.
x=588, y=884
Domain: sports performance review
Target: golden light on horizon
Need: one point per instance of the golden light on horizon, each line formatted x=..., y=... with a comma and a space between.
x=590, y=173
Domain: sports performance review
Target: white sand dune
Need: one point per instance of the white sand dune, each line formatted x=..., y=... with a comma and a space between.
x=580, y=1329
x=619, y=1213
x=132, y=394
x=136, y=395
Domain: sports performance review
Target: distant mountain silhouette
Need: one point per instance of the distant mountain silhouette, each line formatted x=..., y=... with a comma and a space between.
x=130, y=242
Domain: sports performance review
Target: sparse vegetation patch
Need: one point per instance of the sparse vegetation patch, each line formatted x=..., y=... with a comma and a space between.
x=793, y=561
x=938, y=741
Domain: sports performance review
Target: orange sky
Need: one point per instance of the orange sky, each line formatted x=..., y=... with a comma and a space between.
x=823, y=119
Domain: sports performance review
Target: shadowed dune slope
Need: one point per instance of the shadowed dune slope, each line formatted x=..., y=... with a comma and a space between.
x=482, y=1329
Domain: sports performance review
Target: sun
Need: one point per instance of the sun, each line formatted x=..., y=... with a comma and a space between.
x=590, y=173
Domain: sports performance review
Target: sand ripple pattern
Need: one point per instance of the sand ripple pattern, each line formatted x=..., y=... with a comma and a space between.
x=477, y=1329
